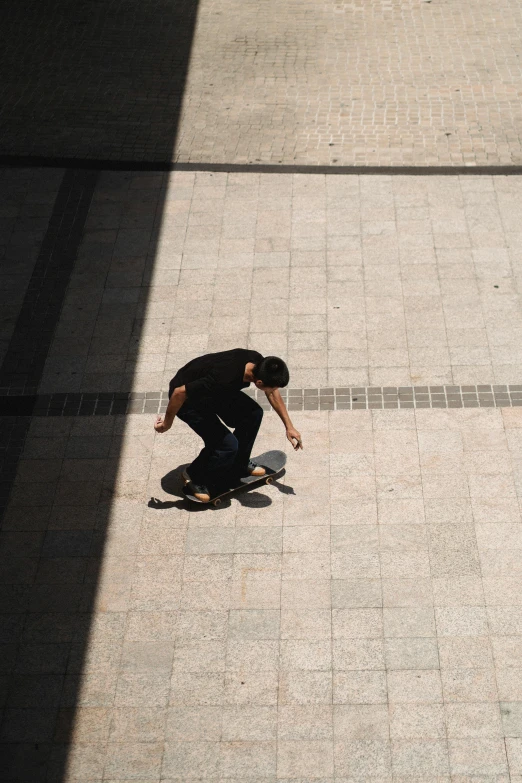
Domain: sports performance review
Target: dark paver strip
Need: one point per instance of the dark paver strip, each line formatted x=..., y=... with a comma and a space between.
x=121, y=403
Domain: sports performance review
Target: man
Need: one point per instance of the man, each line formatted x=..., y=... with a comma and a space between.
x=208, y=389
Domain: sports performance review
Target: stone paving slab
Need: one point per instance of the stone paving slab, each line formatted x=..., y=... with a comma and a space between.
x=366, y=82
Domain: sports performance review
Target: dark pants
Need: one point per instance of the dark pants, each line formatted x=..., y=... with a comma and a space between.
x=225, y=455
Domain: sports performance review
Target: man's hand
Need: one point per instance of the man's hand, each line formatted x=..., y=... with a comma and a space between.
x=178, y=397
x=294, y=437
x=161, y=425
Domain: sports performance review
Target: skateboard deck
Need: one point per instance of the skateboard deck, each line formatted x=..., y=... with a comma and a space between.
x=273, y=462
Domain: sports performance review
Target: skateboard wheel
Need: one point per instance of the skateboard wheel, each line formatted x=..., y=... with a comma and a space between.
x=269, y=480
x=216, y=502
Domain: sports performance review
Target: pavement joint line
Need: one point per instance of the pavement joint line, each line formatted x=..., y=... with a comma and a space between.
x=95, y=164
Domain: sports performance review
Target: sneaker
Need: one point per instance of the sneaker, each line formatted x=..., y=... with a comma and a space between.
x=198, y=491
x=255, y=470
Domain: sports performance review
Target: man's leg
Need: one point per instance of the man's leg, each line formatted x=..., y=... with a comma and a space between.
x=244, y=415
x=218, y=455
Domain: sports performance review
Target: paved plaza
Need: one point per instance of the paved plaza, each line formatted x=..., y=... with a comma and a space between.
x=360, y=620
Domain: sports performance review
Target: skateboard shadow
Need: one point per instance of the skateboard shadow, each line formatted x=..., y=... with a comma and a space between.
x=172, y=484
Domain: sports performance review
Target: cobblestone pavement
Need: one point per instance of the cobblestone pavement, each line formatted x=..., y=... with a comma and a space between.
x=368, y=82
x=359, y=620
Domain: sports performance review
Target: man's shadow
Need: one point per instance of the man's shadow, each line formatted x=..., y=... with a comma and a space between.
x=172, y=484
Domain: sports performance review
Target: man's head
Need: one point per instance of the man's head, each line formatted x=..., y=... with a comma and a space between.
x=271, y=373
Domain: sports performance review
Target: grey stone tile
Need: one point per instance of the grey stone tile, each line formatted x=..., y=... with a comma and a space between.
x=199, y=625
x=357, y=623
x=413, y=686
x=423, y=757
x=506, y=650
x=459, y=591
x=477, y=756
x=137, y=724
x=133, y=759
x=135, y=688
x=144, y=626
x=416, y=721
x=253, y=624
x=194, y=724
x=248, y=724
x=358, y=654
x=305, y=688
x=407, y=593
x=313, y=758
x=189, y=759
x=243, y=759
x=461, y=621
x=204, y=541
x=409, y=621
x=361, y=722
x=306, y=624
x=356, y=593
x=253, y=655
x=473, y=720
x=509, y=682
x=362, y=758
x=252, y=688
x=147, y=656
x=308, y=722
x=197, y=688
x=297, y=654
x=200, y=656
x=469, y=685
x=411, y=653
x=359, y=687
x=465, y=652
x=255, y=593
x=504, y=620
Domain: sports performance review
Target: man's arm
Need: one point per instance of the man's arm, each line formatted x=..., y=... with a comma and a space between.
x=177, y=399
x=277, y=403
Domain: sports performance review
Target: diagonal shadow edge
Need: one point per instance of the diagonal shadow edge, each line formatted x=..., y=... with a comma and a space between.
x=55, y=615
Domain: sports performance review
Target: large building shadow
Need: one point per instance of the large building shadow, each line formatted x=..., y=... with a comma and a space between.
x=109, y=77
x=101, y=79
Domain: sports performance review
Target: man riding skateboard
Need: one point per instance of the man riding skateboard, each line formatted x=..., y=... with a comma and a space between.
x=208, y=389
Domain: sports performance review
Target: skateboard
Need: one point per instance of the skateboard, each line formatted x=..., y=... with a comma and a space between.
x=273, y=462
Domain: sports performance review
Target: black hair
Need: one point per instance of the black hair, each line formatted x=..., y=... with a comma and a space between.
x=272, y=371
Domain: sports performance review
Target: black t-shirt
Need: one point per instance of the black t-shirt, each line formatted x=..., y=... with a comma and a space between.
x=214, y=373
